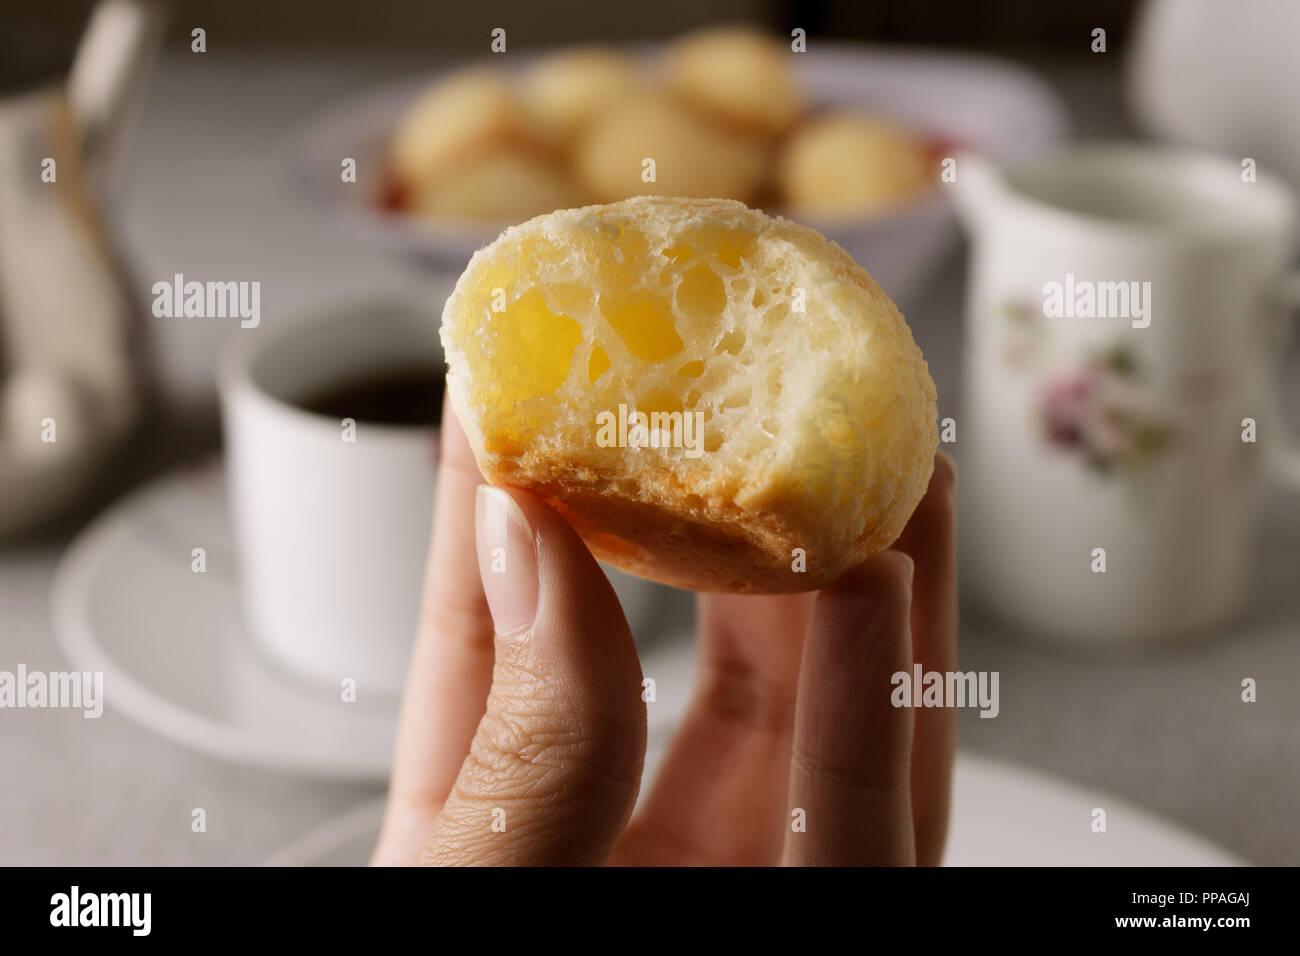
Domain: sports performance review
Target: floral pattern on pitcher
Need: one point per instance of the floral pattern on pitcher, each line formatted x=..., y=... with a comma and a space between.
x=1097, y=409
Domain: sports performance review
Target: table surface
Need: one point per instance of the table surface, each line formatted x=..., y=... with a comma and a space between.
x=206, y=195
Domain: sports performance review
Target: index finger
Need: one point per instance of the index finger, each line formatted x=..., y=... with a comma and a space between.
x=930, y=538
x=850, y=795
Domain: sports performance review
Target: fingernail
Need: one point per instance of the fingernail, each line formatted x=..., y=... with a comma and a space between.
x=507, y=560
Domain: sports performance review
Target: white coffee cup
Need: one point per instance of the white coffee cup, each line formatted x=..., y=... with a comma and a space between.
x=332, y=533
x=1106, y=487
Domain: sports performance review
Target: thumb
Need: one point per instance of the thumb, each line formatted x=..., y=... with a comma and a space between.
x=554, y=767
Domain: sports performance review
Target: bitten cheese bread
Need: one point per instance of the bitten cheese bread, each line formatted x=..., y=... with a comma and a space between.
x=715, y=399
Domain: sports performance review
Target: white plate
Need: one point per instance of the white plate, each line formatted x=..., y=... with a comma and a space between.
x=177, y=657
x=978, y=102
x=1008, y=815
x=1003, y=815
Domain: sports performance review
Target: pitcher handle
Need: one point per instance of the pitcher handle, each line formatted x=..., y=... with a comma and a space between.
x=1282, y=448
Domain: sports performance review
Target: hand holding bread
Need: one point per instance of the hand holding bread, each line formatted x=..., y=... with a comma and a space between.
x=526, y=748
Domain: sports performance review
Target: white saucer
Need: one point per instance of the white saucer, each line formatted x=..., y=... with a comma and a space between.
x=173, y=647
x=177, y=657
x=1003, y=815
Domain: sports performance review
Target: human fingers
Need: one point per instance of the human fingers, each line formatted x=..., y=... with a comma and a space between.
x=719, y=797
x=451, y=661
x=849, y=772
x=555, y=763
x=930, y=539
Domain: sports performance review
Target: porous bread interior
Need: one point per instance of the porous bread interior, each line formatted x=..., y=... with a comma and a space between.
x=818, y=410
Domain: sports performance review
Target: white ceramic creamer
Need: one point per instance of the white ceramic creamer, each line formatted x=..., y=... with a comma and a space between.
x=1124, y=308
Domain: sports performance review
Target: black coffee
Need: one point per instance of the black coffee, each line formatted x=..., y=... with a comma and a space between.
x=400, y=396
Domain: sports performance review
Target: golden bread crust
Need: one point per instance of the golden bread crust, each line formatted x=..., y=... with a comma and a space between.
x=816, y=410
